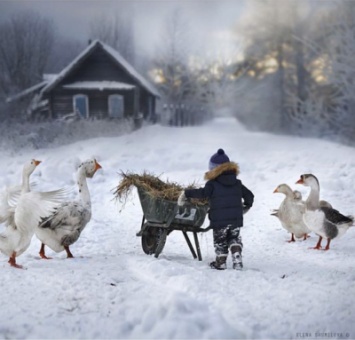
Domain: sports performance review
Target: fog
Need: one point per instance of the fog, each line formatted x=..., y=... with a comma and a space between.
x=209, y=20
x=287, y=69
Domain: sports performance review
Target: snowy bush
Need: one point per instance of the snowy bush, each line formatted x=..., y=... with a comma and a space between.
x=32, y=135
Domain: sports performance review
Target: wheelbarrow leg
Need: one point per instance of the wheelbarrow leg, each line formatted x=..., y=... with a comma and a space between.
x=140, y=232
x=197, y=243
x=189, y=244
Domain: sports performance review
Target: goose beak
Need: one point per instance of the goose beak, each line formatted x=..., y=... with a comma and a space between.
x=300, y=181
x=275, y=191
x=37, y=162
x=97, y=166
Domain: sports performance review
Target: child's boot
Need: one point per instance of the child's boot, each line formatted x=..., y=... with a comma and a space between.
x=237, y=257
x=220, y=262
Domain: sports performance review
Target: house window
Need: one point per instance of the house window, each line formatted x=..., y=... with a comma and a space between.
x=81, y=105
x=116, y=106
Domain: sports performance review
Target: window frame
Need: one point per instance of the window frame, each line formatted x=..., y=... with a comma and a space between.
x=112, y=96
x=86, y=97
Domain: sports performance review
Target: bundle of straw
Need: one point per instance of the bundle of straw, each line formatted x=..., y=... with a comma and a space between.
x=151, y=184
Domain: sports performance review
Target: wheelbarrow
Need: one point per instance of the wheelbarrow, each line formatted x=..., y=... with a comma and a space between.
x=161, y=217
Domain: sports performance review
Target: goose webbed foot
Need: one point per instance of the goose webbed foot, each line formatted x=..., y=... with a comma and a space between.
x=327, y=247
x=292, y=239
x=69, y=254
x=316, y=247
x=305, y=237
x=42, y=253
x=319, y=244
x=12, y=261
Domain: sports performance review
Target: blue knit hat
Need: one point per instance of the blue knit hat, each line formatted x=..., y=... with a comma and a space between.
x=217, y=159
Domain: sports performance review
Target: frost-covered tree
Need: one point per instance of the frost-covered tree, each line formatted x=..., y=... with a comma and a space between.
x=172, y=58
x=339, y=69
x=277, y=57
x=26, y=42
x=266, y=36
x=220, y=78
x=299, y=56
x=329, y=108
x=179, y=73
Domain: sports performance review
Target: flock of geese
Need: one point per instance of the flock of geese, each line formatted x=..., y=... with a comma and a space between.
x=313, y=215
x=56, y=221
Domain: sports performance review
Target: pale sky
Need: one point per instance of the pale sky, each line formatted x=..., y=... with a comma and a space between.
x=210, y=18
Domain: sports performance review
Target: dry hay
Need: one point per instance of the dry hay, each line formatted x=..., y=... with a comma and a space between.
x=152, y=185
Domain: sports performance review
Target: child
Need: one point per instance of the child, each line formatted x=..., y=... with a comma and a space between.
x=228, y=199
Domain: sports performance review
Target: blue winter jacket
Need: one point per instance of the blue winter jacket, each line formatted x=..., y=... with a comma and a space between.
x=226, y=194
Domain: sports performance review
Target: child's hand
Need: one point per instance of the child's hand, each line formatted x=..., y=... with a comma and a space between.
x=182, y=199
x=245, y=209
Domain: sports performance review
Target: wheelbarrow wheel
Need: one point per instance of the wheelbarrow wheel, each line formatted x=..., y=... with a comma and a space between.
x=161, y=242
x=153, y=240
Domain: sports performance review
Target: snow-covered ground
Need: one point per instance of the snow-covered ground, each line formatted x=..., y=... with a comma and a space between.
x=111, y=289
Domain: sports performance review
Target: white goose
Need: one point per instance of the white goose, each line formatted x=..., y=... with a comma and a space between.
x=324, y=221
x=22, y=217
x=290, y=212
x=63, y=228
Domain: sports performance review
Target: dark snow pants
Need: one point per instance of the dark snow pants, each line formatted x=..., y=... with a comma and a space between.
x=224, y=238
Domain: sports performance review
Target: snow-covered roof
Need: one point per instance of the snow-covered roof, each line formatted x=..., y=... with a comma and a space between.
x=27, y=91
x=49, y=76
x=130, y=69
x=115, y=55
x=99, y=85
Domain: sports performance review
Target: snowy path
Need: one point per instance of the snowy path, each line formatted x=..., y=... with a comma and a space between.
x=113, y=290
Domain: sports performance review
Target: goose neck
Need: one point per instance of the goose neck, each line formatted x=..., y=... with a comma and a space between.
x=83, y=188
x=288, y=192
x=313, y=198
x=25, y=182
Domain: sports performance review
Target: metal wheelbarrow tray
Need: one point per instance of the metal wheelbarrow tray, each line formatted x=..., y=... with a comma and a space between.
x=161, y=217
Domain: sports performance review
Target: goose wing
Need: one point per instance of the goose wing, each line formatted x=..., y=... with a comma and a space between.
x=335, y=217
x=33, y=206
x=68, y=214
x=8, y=200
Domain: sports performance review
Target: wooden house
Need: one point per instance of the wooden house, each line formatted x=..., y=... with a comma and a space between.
x=98, y=83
